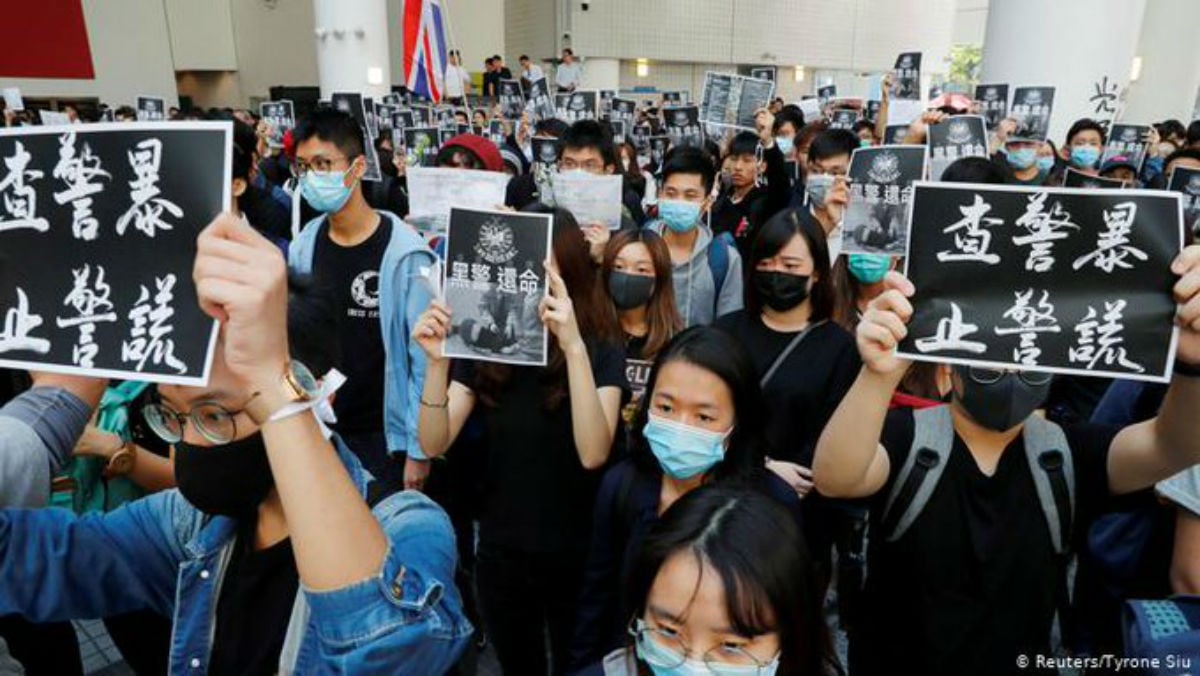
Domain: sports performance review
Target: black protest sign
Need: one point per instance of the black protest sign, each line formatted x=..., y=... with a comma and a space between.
x=894, y=134
x=98, y=229
x=872, y=112
x=512, y=99
x=732, y=100
x=402, y=119
x=606, y=97
x=826, y=93
x=1054, y=279
x=674, y=98
x=618, y=131
x=281, y=116
x=545, y=150
x=421, y=145
x=792, y=167
x=1078, y=179
x=575, y=106
x=843, y=119
x=1128, y=141
x=658, y=146
x=682, y=125
x=954, y=138
x=540, y=101
x=494, y=281
x=1186, y=181
x=623, y=110
x=906, y=77
x=993, y=102
x=353, y=105
x=880, y=192
x=1031, y=108
x=384, y=114
x=444, y=135
x=372, y=121
x=151, y=109
x=422, y=116
x=392, y=99
x=497, y=133
x=444, y=117
x=764, y=73
x=641, y=137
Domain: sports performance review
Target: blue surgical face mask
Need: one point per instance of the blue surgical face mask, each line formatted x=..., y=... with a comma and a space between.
x=679, y=215
x=869, y=268
x=786, y=144
x=1021, y=158
x=326, y=191
x=1085, y=157
x=655, y=655
x=684, y=451
x=1045, y=163
x=864, y=143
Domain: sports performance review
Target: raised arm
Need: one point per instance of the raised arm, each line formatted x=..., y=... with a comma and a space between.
x=444, y=406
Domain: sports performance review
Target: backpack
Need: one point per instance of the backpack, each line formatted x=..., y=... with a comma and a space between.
x=1165, y=630
x=718, y=262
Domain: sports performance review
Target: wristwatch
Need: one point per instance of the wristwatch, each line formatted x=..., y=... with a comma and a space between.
x=121, y=462
x=296, y=385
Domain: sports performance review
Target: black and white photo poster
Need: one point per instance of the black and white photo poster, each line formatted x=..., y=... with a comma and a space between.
x=906, y=77
x=1128, y=141
x=880, y=190
x=623, y=110
x=658, y=146
x=764, y=73
x=1054, y=279
x=98, y=227
x=497, y=133
x=545, y=150
x=151, y=109
x=1078, y=179
x=954, y=138
x=993, y=102
x=825, y=94
x=352, y=104
x=677, y=98
x=1186, y=182
x=281, y=116
x=682, y=125
x=575, y=106
x=540, y=101
x=872, y=110
x=421, y=145
x=1031, y=108
x=894, y=134
x=843, y=118
x=402, y=118
x=732, y=100
x=606, y=97
x=495, y=280
x=512, y=99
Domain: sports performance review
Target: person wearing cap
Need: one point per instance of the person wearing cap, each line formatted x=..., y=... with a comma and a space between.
x=1120, y=168
x=468, y=151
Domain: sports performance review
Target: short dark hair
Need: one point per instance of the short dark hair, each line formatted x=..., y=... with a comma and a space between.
x=551, y=127
x=775, y=234
x=314, y=333
x=523, y=57
x=1193, y=132
x=977, y=170
x=789, y=115
x=489, y=61
x=863, y=124
x=497, y=57
x=1181, y=154
x=1085, y=124
x=689, y=160
x=743, y=143
x=568, y=50
x=1171, y=127
x=245, y=142
x=125, y=111
x=832, y=143
x=332, y=126
x=589, y=134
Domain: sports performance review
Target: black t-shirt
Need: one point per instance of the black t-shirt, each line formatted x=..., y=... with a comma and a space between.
x=350, y=275
x=254, y=607
x=975, y=581
x=809, y=385
x=637, y=376
x=537, y=496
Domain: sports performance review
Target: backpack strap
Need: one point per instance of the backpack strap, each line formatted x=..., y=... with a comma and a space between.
x=1053, y=472
x=933, y=438
x=718, y=263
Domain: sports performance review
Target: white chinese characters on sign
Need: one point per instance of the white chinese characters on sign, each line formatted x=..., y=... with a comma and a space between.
x=146, y=212
x=1113, y=246
x=1028, y=321
x=951, y=335
x=20, y=200
x=971, y=239
x=80, y=174
x=150, y=334
x=89, y=297
x=1044, y=229
x=1102, y=342
x=18, y=324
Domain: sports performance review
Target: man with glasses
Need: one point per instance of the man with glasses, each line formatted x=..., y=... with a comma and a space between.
x=976, y=505
x=825, y=190
x=369, y=263
x=267, y=557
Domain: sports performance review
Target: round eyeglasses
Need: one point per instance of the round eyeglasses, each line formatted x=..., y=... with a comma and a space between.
x=664, y=648
x=212, y=421
x=988, y=376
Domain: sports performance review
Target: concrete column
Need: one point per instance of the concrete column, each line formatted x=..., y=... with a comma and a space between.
x=1170, y=55
x=1075, y=46
x=352, y=46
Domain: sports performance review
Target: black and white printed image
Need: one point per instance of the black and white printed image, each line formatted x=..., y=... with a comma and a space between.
x=1078, y=179
x=954, y=138
x=993, y=102
x=512, y=99
x=880, y=190
x=1186, y=182
x=422, y=116
x=658, y=146
x=872, y=110
x=683, y=126
x=824, y=94
x=545, y=150
x=1031, y=108
x=1127, y=141
x=624, y=110
x=606, y=97
x=151, y=109
x=354, y=105
x=677, y=98
x=906, y=77
x=539, y=99
x=421, y=145
x=98, y=234
x=497, y=133
x=1053, y=279
x=281, y=116
x=843, y=118
x=894, y=134
x=765, y=73
x=618, y=130
x=494, y=282
x=403, y=118
x=574, y=106
x=732, y=100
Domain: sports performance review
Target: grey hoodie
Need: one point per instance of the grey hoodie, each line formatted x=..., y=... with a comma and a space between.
x=696, y=296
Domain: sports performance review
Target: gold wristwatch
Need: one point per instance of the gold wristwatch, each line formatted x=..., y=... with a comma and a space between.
x=297, y=384
x=122, y=462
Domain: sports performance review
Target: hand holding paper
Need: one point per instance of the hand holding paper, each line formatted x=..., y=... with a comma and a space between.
x=432, y=329
x=558, y=312
x=884, y=325
x=1187, y=294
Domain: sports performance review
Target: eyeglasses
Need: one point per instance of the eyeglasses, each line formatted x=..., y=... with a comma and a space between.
x=590, y=166
x=320, y=164
x=986, y=376
x=211, y=420
x=664, y=648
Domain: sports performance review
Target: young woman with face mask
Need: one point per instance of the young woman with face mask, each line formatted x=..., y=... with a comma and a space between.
x=722, y=587
x=702, y=421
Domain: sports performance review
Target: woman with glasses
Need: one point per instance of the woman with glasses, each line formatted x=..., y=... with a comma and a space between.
x=723, y=586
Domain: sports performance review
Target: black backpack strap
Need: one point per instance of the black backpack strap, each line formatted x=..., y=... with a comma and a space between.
x=933, y=438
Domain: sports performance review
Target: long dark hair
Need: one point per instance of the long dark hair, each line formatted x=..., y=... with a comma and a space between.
x=662, y=317
x=718, y=353
x=753, y=544
x=593, y=313
x=775, y=234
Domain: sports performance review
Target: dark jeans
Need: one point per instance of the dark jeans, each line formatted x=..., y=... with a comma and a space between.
x=523, y=596
x=144, y=639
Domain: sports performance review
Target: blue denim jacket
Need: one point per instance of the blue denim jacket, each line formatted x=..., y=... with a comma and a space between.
x=401, y=302
x=160, y=553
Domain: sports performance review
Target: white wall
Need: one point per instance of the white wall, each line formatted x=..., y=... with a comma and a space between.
x=531, y=27
x=201, y=34
x=275, y=45
x=1170, y=53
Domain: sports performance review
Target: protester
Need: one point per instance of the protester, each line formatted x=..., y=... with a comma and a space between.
x=703, y=420
x=746, y=204
x=706, y=271
x=1083, y=149
x=568, y=72
x=826, y=190
x=637, y=179
x=723, y=586
x=549, y=429
x=788, y=123
x=637, y=276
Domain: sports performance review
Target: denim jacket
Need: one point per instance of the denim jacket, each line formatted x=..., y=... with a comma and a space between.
x=160, y=553
x=401, y=302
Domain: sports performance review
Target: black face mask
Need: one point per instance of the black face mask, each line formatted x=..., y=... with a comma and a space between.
x=630, y=291
x=780, y=291
x=386, y=166
x=229, y=480
x=1001, y=405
